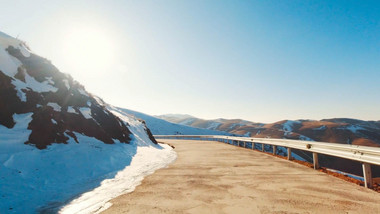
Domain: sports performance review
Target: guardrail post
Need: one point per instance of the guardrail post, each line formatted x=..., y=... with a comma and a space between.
x=274, y=149
x=262, y=147
x=289, y=153
x=315, y=160
x=367, y=174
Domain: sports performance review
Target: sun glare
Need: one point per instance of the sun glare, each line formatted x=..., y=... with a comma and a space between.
x=89, y=49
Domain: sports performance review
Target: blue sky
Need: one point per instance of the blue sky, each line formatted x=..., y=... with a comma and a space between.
x=257, y=60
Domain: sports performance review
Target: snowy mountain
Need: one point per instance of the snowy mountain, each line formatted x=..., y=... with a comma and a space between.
x=58, y=141
x=176, y=118
x=338, y=130
x=225, y=125
x=162, y=127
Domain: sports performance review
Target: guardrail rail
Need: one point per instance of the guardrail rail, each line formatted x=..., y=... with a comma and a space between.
x=364, y=154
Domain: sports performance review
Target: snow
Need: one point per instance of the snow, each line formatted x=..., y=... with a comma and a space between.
x=320, y=128
x=213, y=125
x=4, y=35
x=83, y=92
x=234, y=125
x=353, y=128
x=86, y=112
x=70, y=109
x=125, y=180
x=175, y=117
x=55, y=106
x=9, y=138
x=24, y=51
x=163, y=127
x=33, y=84
x=187, y=121
x=66, y=82
x=21, y=95
x=288, y=125
x=74, y=177
x=9, y=66
x=99, y=100
x=50, y=80
x=6, y=40
x=34, y=180
x=54, y=121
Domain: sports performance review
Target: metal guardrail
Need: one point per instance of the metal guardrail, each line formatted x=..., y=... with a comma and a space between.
x=364, y=154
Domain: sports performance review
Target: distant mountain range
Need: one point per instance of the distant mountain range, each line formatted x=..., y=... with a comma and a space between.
x=163, y=127
x=337, y=130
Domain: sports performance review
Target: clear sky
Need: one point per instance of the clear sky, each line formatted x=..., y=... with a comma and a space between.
x=262, y=61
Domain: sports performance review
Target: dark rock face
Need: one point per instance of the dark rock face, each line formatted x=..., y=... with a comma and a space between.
x=148, y=132
x=58, y=113
x=8, y=101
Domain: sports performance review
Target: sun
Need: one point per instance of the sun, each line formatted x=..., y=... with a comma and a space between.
x=89, y=49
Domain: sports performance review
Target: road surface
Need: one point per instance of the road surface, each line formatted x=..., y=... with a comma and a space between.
x=212, y=177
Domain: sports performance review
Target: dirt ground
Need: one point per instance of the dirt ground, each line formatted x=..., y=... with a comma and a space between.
x=212, y=177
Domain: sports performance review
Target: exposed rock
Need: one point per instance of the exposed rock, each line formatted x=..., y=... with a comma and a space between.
x=38, y=87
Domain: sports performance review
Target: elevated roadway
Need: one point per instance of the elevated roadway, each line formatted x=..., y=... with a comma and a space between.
x=212, y=177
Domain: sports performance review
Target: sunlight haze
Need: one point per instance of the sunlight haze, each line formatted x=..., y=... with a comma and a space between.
x=262, y=61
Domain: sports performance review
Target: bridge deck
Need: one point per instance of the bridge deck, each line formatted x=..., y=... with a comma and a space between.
x=211, y=177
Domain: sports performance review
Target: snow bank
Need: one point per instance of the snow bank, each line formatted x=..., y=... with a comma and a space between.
x=34, y=180
x=145, y=162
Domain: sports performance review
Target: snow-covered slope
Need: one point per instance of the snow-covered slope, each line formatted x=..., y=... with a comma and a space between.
x=224, y=125
x=162, y=127
x=58, y=141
